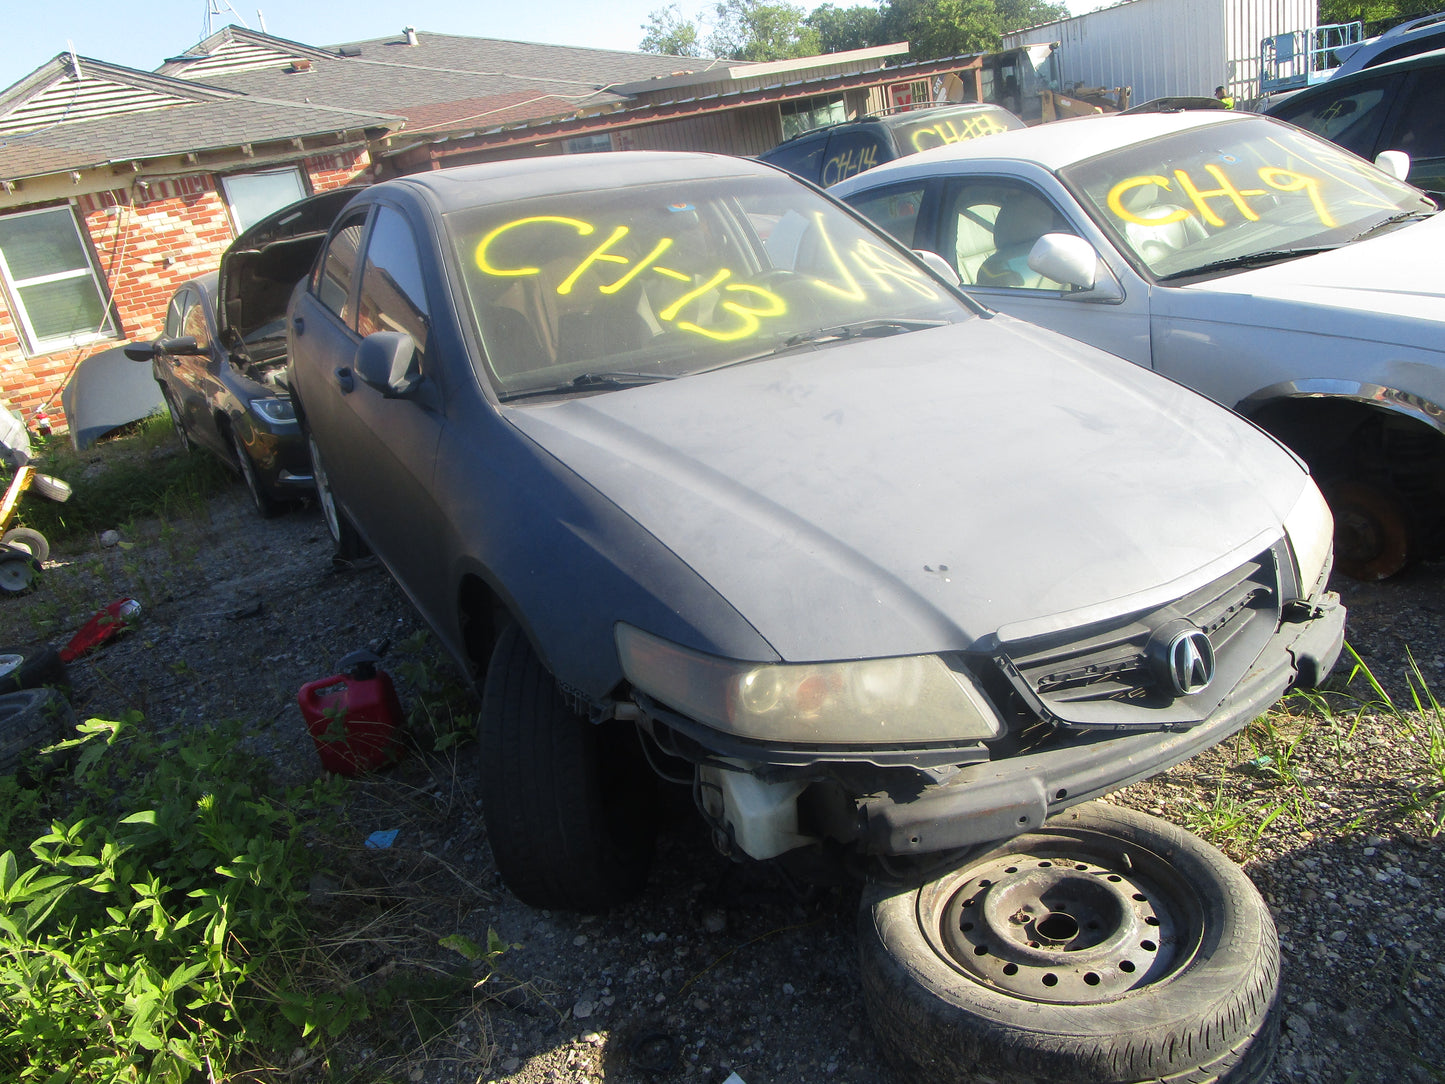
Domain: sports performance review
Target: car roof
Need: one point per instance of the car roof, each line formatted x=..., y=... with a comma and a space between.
x=1059, y=143
x=523, y=178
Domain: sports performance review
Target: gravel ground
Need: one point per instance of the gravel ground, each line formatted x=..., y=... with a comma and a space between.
x=718, y=967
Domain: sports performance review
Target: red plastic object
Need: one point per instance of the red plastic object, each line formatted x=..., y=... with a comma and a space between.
x=353, y=716
x=100, y=628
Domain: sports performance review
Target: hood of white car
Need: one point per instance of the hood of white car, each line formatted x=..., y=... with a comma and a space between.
x=919, y=493
x=1384, y=289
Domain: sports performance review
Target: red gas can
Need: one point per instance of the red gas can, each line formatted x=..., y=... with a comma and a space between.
x=353, y=716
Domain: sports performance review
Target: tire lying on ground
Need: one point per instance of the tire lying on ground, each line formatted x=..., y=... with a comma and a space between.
x=1107, y=947
x=30, y=668
x=31, y=719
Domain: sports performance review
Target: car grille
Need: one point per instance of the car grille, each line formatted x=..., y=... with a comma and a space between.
x=1102, y=677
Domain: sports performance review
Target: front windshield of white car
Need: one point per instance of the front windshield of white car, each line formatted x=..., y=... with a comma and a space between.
x=1238, y=194
x=595, y=290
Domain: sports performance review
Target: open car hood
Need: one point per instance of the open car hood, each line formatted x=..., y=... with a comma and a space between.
x=262, y=265
x=923, y=492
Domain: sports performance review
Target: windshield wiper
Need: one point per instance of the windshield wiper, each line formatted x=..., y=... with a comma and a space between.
x=863, y=329
x=1403, y=216
x=591, y=381
x=1251, y=259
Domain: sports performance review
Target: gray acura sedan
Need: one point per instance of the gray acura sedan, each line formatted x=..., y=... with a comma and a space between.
x=708, y=481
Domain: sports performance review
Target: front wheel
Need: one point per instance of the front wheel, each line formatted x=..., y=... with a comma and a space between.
x=266, y=505
x=569, y=804
x=1106, y=947
x=344, y=536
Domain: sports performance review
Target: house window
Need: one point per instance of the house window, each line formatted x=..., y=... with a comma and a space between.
x=805, y=114
x=588, y=144
x=253, y=196
x=59, y=299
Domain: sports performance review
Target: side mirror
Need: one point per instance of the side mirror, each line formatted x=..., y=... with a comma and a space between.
x=1065, y=258
x=386, y=361
x=1395, y=163
x=140, y=351
x=938, y=265
x=181, y=345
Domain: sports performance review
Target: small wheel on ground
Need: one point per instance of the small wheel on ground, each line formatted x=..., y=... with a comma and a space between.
x=266, y=505
x=30, y=539
x=30, y=669
x=1372, y=529
x=18, y=571
x=570, y=805
x=344, y=536
x=176, y=423
x=1105, y=947
x=31, y=719
x=56, y=489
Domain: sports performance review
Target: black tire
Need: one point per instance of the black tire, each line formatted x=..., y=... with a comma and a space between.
x=570, y=805
x=1105, y=947
x=266, y=505
x=31, y=719
x=56, y=489
x=33, y=669
x=176, y=423
x=348, y=543
x=31, y=539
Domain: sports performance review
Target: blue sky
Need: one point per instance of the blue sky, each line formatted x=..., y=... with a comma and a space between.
x=142, y=35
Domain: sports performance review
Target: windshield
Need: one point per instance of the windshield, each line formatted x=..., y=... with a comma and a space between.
x=588, y=290
x=1231, y=193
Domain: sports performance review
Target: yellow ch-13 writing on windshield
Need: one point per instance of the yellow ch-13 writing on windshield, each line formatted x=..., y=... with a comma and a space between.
x=746, y=304
x=1209, y=201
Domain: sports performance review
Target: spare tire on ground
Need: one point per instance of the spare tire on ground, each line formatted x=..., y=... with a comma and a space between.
x=1106, y=947
x=30, y=668
x=32, y=719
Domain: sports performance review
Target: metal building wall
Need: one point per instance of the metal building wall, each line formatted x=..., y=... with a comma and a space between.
x=1169, y=47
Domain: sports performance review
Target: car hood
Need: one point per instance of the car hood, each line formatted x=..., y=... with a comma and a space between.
x=932, y=490
x=1385, y=289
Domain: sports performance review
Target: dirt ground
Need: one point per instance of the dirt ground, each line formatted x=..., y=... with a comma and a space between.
x=721, y=968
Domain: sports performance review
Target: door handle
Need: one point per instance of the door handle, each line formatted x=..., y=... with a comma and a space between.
x=299, y=324
x=344, y=379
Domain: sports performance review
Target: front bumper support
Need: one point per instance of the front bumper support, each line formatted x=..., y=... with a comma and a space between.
x=997, y=800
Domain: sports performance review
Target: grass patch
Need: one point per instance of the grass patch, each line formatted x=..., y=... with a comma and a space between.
x=144, y=474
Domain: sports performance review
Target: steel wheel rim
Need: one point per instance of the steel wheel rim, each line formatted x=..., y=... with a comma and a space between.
x=323, y=493
x=1060, y=924
x=10, y=663
x=16, y=575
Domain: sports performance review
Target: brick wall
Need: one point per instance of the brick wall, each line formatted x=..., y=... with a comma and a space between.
x=148, y=239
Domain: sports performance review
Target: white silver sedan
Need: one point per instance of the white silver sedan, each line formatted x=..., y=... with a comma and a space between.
x=1271, y=270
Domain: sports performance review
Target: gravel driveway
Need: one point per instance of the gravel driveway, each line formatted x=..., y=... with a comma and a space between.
x=722, y=968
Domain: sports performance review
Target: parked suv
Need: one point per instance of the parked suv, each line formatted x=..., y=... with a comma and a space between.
x=1398, y=106
x=828, y=155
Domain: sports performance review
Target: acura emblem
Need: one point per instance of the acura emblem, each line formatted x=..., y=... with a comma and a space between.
x=1182, y=658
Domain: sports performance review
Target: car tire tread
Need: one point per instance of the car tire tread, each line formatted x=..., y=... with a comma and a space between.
x=566, y=802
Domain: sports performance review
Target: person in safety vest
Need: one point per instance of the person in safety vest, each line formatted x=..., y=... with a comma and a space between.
x=1227, y=99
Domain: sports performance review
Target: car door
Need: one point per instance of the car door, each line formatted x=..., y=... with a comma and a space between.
x=322, y=342
x=194, y=375
x=400, y=434
x=986, y=225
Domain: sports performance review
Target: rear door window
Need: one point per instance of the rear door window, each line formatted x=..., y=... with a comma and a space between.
x=1352, y=119
x=337, y=269
x=897, y=209
x=852, y=152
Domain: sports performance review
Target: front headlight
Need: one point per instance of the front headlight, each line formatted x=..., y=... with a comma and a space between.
x=868, y=702
x=274, y=410
x=1311, y=531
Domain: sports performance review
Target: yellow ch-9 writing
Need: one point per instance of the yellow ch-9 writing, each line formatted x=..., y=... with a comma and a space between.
x=1217, y=194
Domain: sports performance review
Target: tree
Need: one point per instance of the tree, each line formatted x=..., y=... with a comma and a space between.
x=668, y=33
x=940, y=28
x=757, y=31
x=841, y=29
x=1017, y=14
